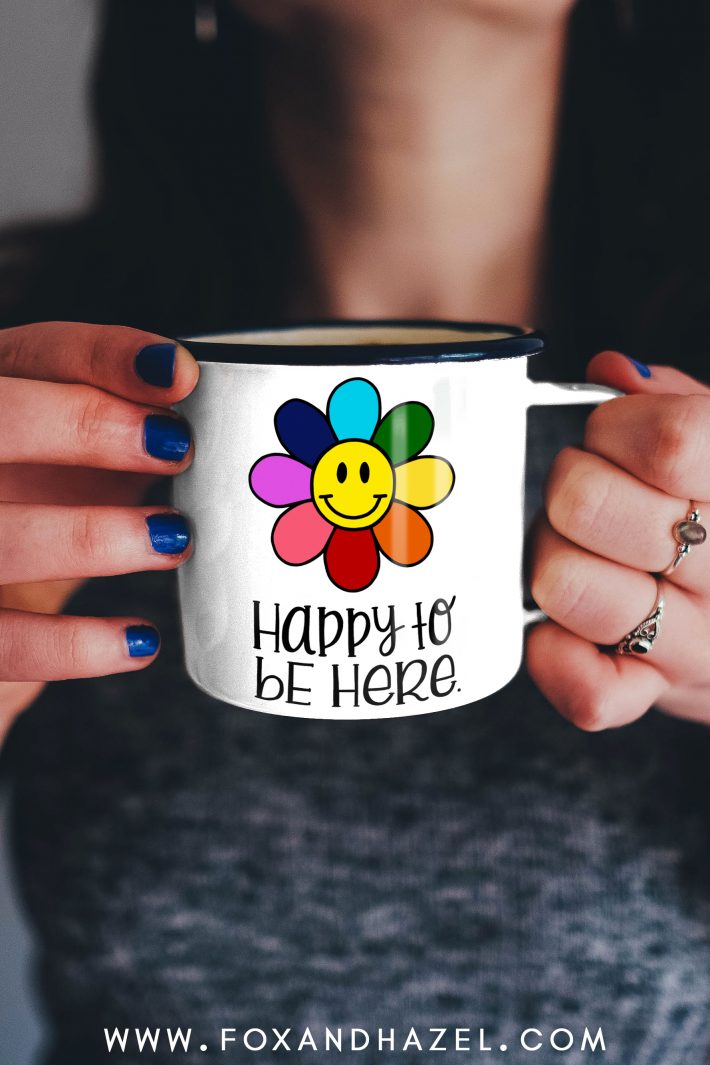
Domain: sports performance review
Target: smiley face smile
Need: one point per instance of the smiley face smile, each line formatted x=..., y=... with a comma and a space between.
x=353, y=517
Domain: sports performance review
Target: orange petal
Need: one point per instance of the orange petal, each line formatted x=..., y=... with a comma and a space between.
x=404, y=536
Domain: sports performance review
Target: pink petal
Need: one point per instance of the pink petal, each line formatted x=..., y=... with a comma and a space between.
x=300, y=534
x=280, y=480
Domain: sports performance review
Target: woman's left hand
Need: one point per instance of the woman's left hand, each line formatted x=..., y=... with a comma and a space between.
x=610, y=509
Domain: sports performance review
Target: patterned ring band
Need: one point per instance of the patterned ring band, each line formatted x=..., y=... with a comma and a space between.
x=686, y=533
x=640, y=640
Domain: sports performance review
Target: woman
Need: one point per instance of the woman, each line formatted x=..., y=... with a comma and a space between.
x=186, y=863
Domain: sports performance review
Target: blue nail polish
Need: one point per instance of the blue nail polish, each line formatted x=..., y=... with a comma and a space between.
x=166, y=438
x=155, y=364
x=143, y=641
x=642, y=368
x=169, y=533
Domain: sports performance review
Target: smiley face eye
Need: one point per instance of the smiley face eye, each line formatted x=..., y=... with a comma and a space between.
x=364, y=472
x=342, y=472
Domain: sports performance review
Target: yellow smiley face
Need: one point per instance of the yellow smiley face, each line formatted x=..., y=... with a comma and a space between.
x=353, y=484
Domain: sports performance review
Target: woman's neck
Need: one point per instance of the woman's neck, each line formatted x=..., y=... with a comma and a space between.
x=418, y=153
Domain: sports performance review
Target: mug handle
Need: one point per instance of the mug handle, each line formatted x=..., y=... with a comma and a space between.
x=551, y=394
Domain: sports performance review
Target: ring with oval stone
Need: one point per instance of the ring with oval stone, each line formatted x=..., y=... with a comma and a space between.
x=686, y=533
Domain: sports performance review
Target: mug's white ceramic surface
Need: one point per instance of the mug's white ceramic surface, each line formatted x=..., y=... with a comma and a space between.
x=357, y=504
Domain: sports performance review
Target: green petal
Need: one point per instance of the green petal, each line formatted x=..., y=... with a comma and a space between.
x=404, y=431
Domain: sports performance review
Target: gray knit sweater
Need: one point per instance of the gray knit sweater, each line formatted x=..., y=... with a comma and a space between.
x=190, y=864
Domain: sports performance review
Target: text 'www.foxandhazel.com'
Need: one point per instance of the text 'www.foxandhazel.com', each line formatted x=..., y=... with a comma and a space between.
x=384, y=1041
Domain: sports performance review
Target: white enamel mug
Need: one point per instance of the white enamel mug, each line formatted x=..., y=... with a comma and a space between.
x=357, y=503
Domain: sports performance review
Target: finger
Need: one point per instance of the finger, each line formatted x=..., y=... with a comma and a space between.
x=597, y=506
x=39, y=597
x=45, y=647
x=591, y=689
x=629, y=375
x=662, y=440
x=71, y=485
x=602, y=602
x=77, y=425
x=140, y=366
x=46, y=543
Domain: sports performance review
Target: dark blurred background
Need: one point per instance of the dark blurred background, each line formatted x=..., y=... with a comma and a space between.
x=45, y=170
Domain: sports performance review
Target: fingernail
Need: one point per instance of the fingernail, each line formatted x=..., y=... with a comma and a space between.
x=169, y=533
x=143, y=641
x=166, y=438
x=155, y=364
x=642, y=368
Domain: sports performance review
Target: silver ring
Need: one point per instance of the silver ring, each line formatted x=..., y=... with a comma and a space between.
x=641, y=640
x=686, y=533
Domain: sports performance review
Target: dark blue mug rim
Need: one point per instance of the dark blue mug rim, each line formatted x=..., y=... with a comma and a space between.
x=520, y=342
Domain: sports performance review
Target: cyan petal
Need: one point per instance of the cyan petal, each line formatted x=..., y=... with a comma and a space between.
x=303, y=430
x=354, y=409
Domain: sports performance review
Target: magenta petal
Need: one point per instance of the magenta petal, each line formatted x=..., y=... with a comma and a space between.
x=300, y=534
x=280, y=480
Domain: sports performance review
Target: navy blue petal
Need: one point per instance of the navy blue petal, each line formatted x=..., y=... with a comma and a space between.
x=303, y=430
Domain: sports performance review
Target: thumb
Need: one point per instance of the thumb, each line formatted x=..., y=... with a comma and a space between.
x=627, y=374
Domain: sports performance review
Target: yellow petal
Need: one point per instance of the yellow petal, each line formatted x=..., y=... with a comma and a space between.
x=423, y=482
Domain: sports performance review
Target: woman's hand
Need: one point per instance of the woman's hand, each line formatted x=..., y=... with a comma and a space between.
x=84, y=429
x=610, y=509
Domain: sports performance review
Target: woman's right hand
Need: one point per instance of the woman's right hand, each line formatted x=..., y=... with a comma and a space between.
x=84, y=430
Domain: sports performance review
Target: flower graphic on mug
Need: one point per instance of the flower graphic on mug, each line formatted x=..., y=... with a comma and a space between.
x=354, y=483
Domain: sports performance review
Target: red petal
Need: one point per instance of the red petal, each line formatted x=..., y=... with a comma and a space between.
x=352, y=559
